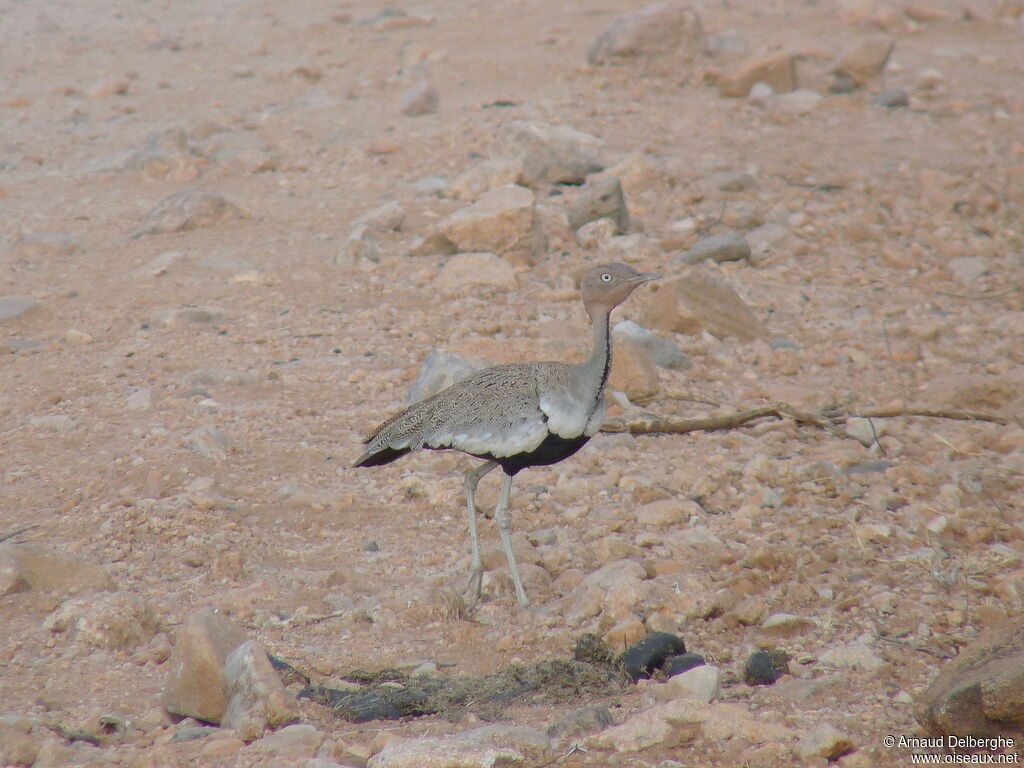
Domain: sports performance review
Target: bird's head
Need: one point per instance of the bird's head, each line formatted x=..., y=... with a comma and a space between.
x=606, y=286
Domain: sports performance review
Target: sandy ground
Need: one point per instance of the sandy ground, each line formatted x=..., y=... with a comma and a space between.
x=308, y=354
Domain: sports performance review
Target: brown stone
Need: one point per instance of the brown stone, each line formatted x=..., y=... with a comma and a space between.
x=662, y=29
x=502, y=221
x=196, y=686
x=866, y=60
x=699, y=300
x=981, y=692
x=776, y=69
x=258, y=698
x=26, y=567
x=114, y=621
x=191, y=209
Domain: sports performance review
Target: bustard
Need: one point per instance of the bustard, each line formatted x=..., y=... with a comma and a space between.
x=515, y=416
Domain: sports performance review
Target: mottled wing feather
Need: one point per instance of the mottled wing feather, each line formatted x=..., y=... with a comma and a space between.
x=500, y=411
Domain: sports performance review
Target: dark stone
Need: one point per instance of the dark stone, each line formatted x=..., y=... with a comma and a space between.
x=891, y=98
x=765, y=667
x=731, y=246
x=647, y=656
x=676, y=665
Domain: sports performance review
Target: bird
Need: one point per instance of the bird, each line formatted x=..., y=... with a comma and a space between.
x=515, y=416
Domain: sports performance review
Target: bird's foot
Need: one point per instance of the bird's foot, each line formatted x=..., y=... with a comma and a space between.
x=473, y=589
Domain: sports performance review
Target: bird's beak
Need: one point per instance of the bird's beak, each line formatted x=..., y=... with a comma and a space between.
x=644, y=277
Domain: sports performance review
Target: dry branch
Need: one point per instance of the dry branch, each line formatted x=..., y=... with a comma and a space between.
x=831, y=420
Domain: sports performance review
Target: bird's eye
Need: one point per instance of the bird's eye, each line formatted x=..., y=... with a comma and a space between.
x=606, y=277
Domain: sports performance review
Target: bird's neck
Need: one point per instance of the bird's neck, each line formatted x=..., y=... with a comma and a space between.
x=593, y=374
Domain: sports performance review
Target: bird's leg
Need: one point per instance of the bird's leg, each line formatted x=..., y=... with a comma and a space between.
x=504, y=520
x=473, y=477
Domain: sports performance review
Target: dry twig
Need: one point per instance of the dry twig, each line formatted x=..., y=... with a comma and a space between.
x=830, y=421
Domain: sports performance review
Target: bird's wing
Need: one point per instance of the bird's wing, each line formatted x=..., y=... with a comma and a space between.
x=494, y=412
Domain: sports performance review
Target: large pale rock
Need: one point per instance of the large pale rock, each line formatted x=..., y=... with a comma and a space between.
x=258, y=698
x=488, y=175
x=777, y=70
x=980, y=693
x=699, y=300
x=852, y=655
x=421, y=99
x=550, y=154
x=33, y=245
x=663, y=353
x=427, y=752
x=503, y=221
x=19, y=745
x=26, y=567
x=476, y=269
x=824, y=740
x=191, y=209
x=659, y=30
x=385, y=218
x=866, y=60
x=293, y=742
x=196, y=685
x=116, y=621
x=730, y=246
x=12, y=307
x=600, y=198
x=702, y=683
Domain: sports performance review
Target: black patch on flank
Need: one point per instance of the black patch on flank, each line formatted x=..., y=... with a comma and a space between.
x=551, y=451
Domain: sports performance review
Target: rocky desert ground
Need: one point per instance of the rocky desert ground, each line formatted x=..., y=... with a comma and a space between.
x=237, y=236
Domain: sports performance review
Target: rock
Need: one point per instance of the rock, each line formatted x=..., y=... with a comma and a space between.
x=795, y=103
x=210, y=443
x=891, y=98
x=600, y=198
x=659, y=30
x=429, y=752
x=666, y=725
x=661, y=512
x=663, y=353
x=503, y=221
x=195, y=685
x=979, y=693
x=761, y=94
x=771, y=238
x=381, y=220
x=549, y=154
x=19, y=746
x=257, y=698
x=30, y=568
x=787, y=625
x=967, y=269
x=642, y=659
x=475, y=269
x=765, y=667
x=684, y=662
x=140, y=400
x=190, y=316
x=866, y=60
x=731, y=246
x=777, y=70
x=878, y=13
x=852, y=655
x=727, y=45
x=699, y=300
x=293, y=742
x=57, y=422
x=515, y=736
x=732, y=181
x=633, y=372
x=191, y=209
x=77, y=337
x=625, y=633
x=826, y=741
x=12, y=307
x=115, y=621
x=596, y=235
x=865, y=431
x=439, y=371
x=580, y=722
x=421, y=99
x=702, y=683
x=35, y=245
x=488, y=175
